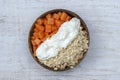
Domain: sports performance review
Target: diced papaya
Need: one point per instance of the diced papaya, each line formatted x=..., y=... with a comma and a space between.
x=58, y=23
x=47, y=35
x=43, y=39
x=36, y=30
x=35, y=34
x=32, y=38
x=39, y=27
x=48, y=16
x=67, y=18
x=54, y=28
x=41, y=35
x=50, y=21
x=33, y=43
x=56, y=16
x=42, y=28
x=45, y=22
x=48, y=28
x=37, y=41
x=53, y=33
x=40, y=21
x=59, y=13
x=63, y=16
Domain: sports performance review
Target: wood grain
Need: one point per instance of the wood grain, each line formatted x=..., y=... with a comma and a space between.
x=102, y=18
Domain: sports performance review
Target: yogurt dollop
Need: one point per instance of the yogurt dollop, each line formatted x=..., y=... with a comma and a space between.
x=65, y=35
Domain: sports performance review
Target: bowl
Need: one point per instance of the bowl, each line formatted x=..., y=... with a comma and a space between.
x=72, y=14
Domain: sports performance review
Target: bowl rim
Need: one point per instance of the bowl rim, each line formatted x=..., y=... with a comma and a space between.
x=72, y=14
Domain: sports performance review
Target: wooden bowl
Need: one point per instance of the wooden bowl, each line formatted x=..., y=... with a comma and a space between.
x=72, y=14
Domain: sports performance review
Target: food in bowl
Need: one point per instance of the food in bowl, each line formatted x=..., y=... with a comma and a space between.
x=59, y=41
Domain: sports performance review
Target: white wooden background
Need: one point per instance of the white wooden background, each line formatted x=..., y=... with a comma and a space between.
x=102, y=18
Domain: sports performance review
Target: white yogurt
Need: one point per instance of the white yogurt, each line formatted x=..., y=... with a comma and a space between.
x=65, y=35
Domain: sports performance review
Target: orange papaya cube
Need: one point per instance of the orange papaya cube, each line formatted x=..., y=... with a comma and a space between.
x=48, y=28
x=39, y=27
x=68, y=18
x=48, y=16
x=41, y=35
x=50, y=21
x=54, y=28
x=56, y=16
x=59, y=13
x=45, y=22
x=36, y=30
x=58, y=23
x=37, y=41
x=40, y=21
x=63, y=16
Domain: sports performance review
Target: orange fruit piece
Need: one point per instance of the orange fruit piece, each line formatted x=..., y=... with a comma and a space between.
x=58, y=23
x=40, y=21
x=45, y=22
x=36, y=30
x=59, y=13
x=48, y=28
x=54, y=28
x=56, y=16
x=41, y=35
x=63, y=16
x=37, y=41
x=67, y=18
x=48, y=16
x=39, y=27
x=50, y=21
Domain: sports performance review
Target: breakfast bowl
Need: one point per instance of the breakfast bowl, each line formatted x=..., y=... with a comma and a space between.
x=63, y=59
